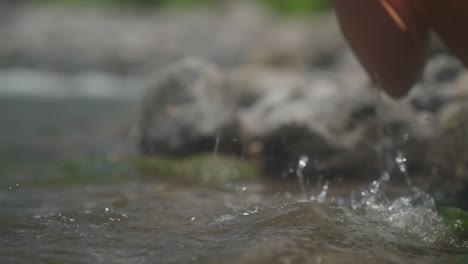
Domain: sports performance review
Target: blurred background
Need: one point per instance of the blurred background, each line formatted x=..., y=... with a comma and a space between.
x=66, y=65
x=267, y=81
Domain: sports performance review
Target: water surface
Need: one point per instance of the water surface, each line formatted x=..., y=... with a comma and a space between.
x=152, y=221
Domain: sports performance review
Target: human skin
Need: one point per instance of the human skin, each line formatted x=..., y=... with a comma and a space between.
x=390, y=37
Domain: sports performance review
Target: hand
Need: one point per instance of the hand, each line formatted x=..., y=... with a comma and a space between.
x=390, y=37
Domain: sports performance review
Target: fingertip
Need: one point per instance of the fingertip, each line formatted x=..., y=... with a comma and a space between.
x=397, y=93
x=398, y=85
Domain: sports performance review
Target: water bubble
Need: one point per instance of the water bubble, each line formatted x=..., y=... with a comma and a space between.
x=106, y=209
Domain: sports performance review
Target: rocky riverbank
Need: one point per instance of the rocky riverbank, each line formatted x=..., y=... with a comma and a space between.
x=236, y=81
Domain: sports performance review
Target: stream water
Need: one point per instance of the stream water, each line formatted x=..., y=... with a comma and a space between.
x=160, y=222
x=141, y=220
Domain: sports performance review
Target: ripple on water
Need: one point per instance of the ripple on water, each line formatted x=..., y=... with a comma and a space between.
x=156, y=222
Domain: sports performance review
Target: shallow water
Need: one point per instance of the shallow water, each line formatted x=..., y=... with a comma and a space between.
x=139, y=221
x=102, y=218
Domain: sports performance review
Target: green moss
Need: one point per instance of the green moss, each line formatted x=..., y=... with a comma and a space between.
x=130, y=3
x=456, y=220
x=200, y=168
x=296, y=7
x=288, y=7
x=196, y=169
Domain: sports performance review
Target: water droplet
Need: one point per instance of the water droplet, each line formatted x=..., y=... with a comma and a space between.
x=321, y=198
x=303, y=160
x=400, y=160
x=406, y=137
x=385, y=176
x=302, y=163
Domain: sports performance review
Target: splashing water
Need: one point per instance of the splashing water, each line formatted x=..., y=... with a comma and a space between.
x=301, y=164
x=322, y=196
x=415, y=212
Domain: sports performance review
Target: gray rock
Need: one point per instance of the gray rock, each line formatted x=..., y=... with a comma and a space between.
x=436, y=89
x=185, y=109
x=276, y=116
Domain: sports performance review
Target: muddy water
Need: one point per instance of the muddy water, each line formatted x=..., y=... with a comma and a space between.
x=46, y=218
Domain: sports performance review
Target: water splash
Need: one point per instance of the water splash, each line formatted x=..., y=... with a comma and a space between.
x=322, y=197
x=372, y=197
x=304, y=183
x=301, y=164
x=416, y=212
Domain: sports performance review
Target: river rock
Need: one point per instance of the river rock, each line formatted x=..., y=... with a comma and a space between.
x=278, y=116
x=327, y=116
x=185, y=109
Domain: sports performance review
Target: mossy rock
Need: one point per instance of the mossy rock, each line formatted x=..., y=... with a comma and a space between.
x=456, y=220
x=205, y=168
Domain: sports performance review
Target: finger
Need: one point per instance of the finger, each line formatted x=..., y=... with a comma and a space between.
x=389, y=39
x=449, y=18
